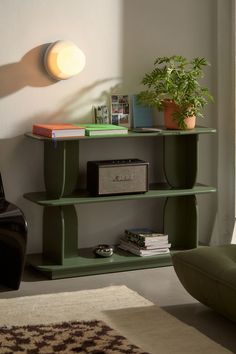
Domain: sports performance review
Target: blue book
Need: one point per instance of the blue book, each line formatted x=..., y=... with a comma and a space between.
x=142, y=115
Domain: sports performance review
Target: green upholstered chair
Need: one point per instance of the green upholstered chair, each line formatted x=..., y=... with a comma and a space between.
x=209, y=275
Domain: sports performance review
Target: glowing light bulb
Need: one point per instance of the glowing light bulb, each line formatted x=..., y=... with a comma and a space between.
x=63, y=60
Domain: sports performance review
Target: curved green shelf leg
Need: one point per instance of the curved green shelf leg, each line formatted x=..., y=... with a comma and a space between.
x=60, y=233
x=181, y=221
x=180, y=160
x=61, y=167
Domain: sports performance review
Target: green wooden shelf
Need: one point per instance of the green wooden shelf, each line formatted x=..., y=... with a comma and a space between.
x=61, y=258
x=155, y=191
x=85, y=263
x=163, y=132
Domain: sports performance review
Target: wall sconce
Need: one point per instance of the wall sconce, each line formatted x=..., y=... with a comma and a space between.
x=63, y=60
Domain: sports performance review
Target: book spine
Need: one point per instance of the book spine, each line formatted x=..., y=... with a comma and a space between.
x=42, y=131
x=144, y=253
x=139, y=243
x=144, y=240
x=153, y=246
x=145, y=244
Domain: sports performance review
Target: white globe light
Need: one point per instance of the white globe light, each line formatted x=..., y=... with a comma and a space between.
x=63, y=60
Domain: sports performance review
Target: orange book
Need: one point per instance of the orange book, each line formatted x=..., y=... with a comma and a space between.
x=58, y=130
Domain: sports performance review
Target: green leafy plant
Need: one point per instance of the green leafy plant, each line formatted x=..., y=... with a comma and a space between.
x=176, y=79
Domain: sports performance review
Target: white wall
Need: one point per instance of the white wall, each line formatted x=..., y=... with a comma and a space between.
x=120, y=40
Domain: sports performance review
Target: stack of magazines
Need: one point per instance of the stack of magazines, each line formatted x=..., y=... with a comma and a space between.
x=144, y=242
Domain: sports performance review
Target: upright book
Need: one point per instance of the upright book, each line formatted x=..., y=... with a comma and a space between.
x=142, y=115
x=104, y=129
x=58, y=130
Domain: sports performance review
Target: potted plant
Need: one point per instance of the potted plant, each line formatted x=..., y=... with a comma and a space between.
x=173, y=86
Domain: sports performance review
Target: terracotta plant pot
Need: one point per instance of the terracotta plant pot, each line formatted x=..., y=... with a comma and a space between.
x=169, y=108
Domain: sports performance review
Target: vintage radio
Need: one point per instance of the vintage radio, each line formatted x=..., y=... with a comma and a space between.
x=111, y=177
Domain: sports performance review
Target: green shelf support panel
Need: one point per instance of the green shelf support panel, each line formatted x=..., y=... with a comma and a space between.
x=87, y=264
x=60, y=233
x=180, y=160
x=180, y=221
x=61, y=167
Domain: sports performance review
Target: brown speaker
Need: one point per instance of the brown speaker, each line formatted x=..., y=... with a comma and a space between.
x=112, y=177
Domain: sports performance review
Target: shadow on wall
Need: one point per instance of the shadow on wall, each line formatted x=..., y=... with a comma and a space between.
x=77, y=102
x=29, y=71
x=18, y=174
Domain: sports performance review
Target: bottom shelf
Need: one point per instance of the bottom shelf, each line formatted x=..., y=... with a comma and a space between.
x=87, y=264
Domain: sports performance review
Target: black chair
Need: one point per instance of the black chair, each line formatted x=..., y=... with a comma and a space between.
x=13, y=238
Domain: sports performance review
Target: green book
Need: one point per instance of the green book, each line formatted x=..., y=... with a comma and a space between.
x=103, y=129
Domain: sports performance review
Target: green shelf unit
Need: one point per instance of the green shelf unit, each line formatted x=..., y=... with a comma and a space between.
x=61, y=257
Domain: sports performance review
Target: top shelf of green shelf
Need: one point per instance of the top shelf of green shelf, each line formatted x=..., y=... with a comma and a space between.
x=131, y=134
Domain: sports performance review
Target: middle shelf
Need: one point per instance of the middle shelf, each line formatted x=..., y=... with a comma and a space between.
x=83, y=197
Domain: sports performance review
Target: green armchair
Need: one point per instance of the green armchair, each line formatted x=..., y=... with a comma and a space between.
x=209, y=275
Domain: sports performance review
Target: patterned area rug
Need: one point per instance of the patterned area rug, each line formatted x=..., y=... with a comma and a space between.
x=144, y=324
x=92, y=337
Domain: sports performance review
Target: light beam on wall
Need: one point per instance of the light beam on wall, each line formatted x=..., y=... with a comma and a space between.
x=63, y=60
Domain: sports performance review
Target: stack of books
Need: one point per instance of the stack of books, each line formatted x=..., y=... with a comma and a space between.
x=144, y=242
